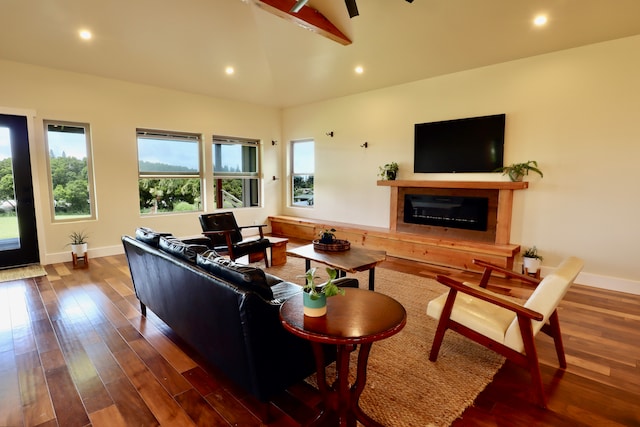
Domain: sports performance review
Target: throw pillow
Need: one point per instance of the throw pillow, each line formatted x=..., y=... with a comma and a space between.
x=243, y=276
x=149, y=236
x=178, y=248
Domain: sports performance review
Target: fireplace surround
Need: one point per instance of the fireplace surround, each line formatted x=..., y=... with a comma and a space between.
x=446, y=197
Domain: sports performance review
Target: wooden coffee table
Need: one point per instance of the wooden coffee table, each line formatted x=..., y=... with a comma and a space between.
x=360, y=317
x=350, y=261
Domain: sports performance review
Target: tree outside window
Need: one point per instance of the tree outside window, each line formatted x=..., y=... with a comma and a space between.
x=236, y=172
x=69, y=161
x=169, y=172
x=302, y=173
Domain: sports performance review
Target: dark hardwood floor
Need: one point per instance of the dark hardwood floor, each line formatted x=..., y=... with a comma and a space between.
x=75, y=351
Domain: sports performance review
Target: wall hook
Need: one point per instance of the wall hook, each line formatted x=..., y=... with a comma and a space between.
x=365, y=145
x=275, y=178
x=330, y=134
x=274, y=142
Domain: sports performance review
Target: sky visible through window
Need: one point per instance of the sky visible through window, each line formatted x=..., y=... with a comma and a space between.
x=5, y=146
x=303, y=157
x=71, y=144
x=171, y=152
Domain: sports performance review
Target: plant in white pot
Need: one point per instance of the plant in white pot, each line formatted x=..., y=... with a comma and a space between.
x=78, y=242
x=531, y=260
x=315, y=296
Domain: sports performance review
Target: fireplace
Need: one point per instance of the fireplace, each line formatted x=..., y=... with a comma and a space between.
x=466, y=213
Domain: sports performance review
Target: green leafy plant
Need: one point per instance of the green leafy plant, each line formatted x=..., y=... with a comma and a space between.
x=327, y=235
x=78, y=238
x=517, y=171
x=388, y=172
x=532, y=252
x=329, y=288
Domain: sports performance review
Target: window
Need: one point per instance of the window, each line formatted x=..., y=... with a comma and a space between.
x=236, y=178
x=302, y=170
x=169, y=172
x=70, y=170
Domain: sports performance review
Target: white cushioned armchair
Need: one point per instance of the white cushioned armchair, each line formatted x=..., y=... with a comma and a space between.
x=501, y=323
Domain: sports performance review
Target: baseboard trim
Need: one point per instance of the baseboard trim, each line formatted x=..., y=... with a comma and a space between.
x=609, y=283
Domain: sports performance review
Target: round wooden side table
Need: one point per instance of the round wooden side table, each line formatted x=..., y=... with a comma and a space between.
x=359, y=318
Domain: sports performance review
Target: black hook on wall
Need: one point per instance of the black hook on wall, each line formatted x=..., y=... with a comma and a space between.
x=330, y=134
x=365, y=145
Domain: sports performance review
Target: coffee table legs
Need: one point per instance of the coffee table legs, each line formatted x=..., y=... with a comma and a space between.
x=341, y=400
x=372, y=273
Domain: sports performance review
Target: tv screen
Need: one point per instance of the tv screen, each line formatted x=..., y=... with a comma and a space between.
x=474, y=144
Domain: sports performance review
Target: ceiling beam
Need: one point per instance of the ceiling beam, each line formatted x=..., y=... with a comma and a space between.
x=308, y=18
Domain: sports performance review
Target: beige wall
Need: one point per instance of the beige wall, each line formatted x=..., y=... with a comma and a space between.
x=576, y=112
x=114, y=110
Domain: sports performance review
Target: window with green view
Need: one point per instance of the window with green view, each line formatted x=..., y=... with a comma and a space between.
x=169, y=172
x=70, y=170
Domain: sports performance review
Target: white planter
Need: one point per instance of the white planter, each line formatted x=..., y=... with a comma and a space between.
x=531, y=264
x=79, y=250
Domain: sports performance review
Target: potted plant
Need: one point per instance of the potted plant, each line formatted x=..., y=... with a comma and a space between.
x=531, y=260
x=327, y=236
x=315, y=296
x=517, y=171
x=388, y=172
x=78, y=242
x=328, y=242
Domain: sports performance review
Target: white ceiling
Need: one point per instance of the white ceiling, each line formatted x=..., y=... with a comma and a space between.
x=186, y=45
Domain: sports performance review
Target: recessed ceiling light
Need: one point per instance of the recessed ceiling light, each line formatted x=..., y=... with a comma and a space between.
x=359, y=69
x=540, y=20
x=85, y=34
x=229, y=70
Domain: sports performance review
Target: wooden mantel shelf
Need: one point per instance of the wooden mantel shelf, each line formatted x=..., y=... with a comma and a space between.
x=485, y=185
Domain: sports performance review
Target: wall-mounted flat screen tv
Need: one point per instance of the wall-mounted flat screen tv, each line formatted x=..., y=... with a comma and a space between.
x=474, y=144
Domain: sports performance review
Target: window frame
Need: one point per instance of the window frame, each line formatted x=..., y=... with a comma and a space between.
x=177, y=136
x=218, y=177
x=90, y=176
x=293, y=173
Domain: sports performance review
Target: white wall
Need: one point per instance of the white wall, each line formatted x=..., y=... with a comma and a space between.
x=576, y=112
x=114, y=110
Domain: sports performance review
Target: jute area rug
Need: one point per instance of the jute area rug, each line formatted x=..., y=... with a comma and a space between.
x=22, y=273
x=403, y=387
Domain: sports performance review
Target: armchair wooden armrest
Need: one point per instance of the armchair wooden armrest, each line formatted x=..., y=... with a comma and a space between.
x=258, y=226
x=489, y=268
x=487, y=296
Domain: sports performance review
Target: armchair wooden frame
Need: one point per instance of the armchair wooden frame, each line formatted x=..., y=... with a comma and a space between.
x=529, y=358
x=227, y=236
x=233, y=237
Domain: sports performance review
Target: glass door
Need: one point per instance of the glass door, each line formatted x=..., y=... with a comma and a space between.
x=18, y=237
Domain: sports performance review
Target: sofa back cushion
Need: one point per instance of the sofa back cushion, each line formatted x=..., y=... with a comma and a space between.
x=243, y=276
x=149, y=236
x=180, y=249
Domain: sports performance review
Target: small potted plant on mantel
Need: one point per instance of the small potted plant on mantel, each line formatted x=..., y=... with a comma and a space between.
x=315, y=296
x=531, y=260
x=517, y=171
x=388, y=172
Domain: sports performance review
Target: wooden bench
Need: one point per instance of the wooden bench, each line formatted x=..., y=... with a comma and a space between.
x=446, y=252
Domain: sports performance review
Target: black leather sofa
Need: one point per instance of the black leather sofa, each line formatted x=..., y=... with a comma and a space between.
x=227, y=312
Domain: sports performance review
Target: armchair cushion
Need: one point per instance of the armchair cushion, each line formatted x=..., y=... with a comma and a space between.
x=481, y=316
x=240, y=275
